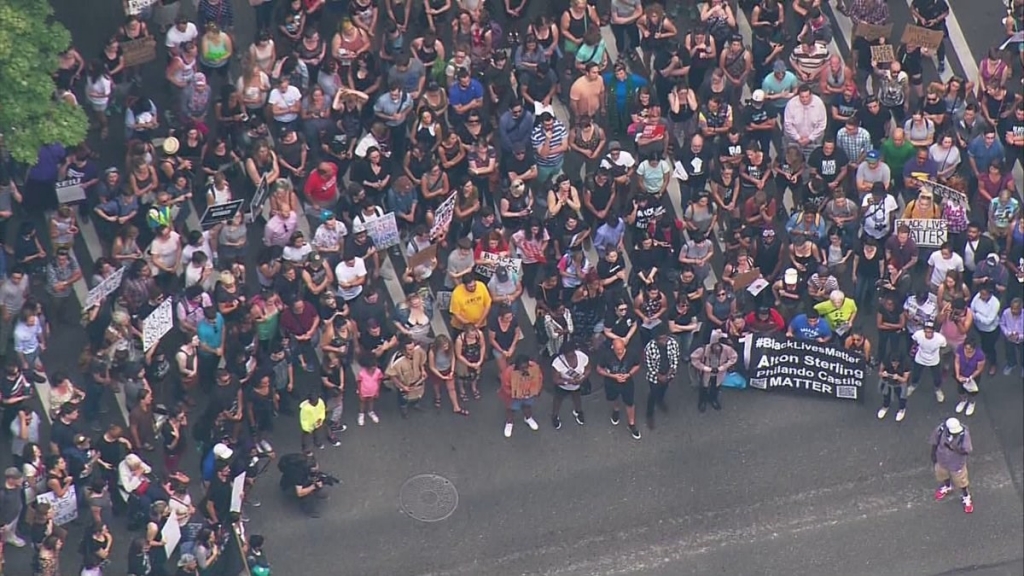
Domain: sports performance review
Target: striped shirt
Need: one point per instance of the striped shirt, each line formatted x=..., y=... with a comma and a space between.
x=56, y=273
x=558, y=136
x=809, y=63
x=854, y=145
x=222, y=13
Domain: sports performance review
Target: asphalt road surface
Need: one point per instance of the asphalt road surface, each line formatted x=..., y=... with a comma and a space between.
x=773, y=484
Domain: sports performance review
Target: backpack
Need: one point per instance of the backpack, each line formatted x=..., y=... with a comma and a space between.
x=291, y=466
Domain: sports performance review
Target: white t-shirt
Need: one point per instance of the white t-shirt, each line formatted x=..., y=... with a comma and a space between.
x=940, y=266
x=568, y=373
x=293, y=254
x=164, y=251
x=287, y=99
x=26, y=338
x=625, y=160
x=99, y=91
x=345, y=273
x=876, y=219
x=175, y=37
x=928, y=349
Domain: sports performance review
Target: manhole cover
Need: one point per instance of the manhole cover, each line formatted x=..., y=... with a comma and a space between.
x=428, y=498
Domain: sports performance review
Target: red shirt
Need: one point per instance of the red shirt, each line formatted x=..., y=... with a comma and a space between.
x=321, y=190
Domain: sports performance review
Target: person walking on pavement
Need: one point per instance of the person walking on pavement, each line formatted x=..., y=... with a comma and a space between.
x=618, y=366
x=893, y=375
x=661, y=359
x=951, y=445
x=572, y=368
x=521, y=384
x=10, y=510
x=713, y=362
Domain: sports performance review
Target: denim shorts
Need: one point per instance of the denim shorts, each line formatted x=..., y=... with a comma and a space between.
x=518, y=404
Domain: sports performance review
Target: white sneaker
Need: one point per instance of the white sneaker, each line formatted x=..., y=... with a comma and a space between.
x=882, y=412
x=910, y=390
x=373, y=417
x=960, y=406
x=508, y=429
x=901, y=415
x=531, y=423
x=361, y=419
x=16, y=541
x=940, y=397
x=970, y=409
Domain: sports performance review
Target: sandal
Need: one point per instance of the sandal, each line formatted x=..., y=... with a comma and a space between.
x=463, y=397
x=437, y=402
x=461, y=412
x=476, y=394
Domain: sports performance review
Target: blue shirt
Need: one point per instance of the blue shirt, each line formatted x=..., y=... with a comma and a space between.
x=620, y=87
x=210, y=333
x=459, y=96
x=772, y=85
x=802, y=329
x=983, y=156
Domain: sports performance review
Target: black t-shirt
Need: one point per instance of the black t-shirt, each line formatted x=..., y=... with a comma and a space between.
x=369, y=341
x=225, y=397
x=219, y=493
x=363, y=310
x=538, y=86
x=110, y=452
x=684, y=318
x=725, y=148
x=615, y=365
x=755, y=115
x=891, y=317
x=606, y=270
x=513, y=164
x=697, y=166
x=846, y=108
x=507, y=338
x=89, y=549
x=874, y=123
x=868, y=267
x=288, y=290
x=500, y=79
x=619, y=325
x=62, y=434
x=767, y=256
x=1012, y=125
x=599, y=195
x=934, y=108
x=167, y=438
x=828, y=167
x=18, y=386
x=756, y=171
x=930, y=9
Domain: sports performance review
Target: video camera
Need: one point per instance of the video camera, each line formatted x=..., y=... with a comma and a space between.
x=326, y=479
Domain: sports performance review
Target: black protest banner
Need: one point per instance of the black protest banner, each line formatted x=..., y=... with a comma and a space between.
x=926, y=232
x=946, y=193
x=778, y=363
x=217, y=213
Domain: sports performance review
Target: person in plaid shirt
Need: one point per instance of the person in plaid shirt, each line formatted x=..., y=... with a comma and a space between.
x=661, y=358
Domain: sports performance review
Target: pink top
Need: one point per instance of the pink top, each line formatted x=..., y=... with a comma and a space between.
x=369, y=382
x=953, y=335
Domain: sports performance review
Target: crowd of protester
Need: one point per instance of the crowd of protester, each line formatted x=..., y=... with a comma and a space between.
x=395, y=107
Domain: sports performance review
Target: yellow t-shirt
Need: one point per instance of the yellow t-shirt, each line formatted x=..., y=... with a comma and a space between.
x=472, y=306
x=312, y=416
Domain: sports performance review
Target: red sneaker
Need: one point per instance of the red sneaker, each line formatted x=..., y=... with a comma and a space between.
x=942, y=491
x=968, y=504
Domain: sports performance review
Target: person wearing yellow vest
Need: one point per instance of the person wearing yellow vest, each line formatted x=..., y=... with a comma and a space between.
x=312, y=417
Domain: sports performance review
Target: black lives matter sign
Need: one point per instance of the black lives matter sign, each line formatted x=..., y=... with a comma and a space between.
x=926, y=232
x=783, y=364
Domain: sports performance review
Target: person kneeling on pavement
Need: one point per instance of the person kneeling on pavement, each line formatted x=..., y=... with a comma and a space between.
x=301, y=477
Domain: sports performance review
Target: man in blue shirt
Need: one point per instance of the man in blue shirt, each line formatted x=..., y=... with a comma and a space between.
x=464, y=95
x=809, y=327
x=779, y=87
x=982, y=151
x=210, y=332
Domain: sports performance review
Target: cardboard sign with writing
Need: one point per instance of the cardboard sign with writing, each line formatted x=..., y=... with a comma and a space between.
x=486, y=270
x=139, y=51
x=218, y=213
x=70, y=191
x=947, y=194
x=444, y=300
x=742, y=280
x=423, y=257
x=882, y=53
x=104, y=288
x=871, y=32
x=135, y=7
x=923, y=37
x=383, y=230
x=926, y=232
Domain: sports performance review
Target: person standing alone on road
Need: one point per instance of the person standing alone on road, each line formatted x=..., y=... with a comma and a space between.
x=521, y=384
x=618, y=366
x=661, y=357
x=713, y=362
x=572, y=368
x=951, y=445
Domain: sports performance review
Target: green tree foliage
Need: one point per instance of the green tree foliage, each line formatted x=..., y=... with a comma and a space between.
x=30, y=42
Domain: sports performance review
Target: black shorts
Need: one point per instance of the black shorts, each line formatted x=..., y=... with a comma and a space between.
x=614, y=390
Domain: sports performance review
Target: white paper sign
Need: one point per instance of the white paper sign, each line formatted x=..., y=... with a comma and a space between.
x=237, y=488
x=104, y=288
x=926, y=232
x=443, y=217
x=384, y=231
x=171, y=535
x=135, y=7
x=157, y=324
x=65, y=508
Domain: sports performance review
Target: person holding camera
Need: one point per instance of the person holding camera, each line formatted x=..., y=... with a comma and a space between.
x=713, y=362
x=302, y=477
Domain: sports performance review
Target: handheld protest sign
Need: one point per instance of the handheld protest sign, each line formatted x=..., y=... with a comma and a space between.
x=217, y=213
x=923, y=37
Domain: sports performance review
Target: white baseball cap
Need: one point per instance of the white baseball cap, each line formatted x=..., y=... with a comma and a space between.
x=222, y=452
x=954, y=426
x=757, y=95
